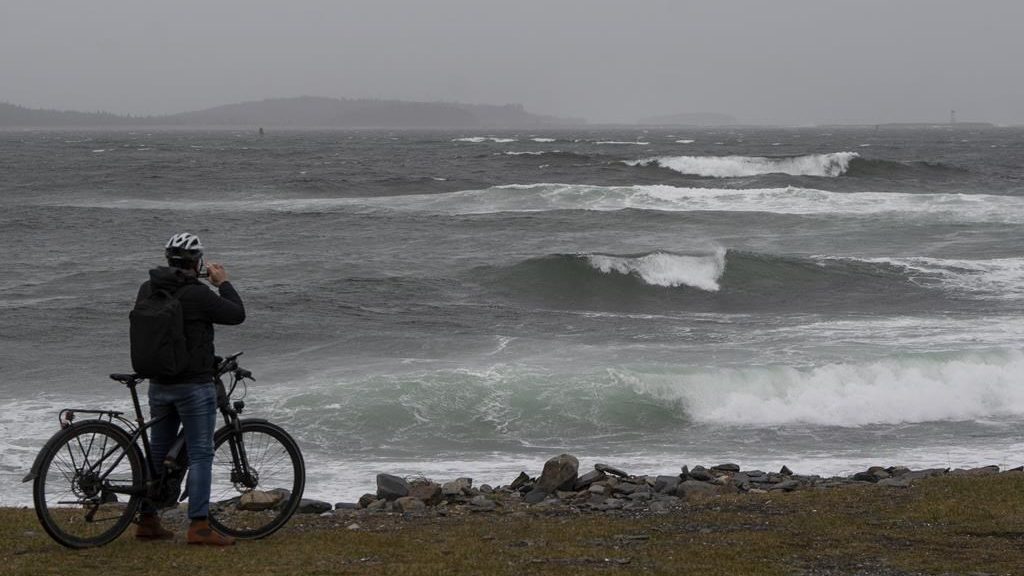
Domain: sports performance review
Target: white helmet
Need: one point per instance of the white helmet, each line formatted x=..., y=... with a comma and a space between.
x=184, y=250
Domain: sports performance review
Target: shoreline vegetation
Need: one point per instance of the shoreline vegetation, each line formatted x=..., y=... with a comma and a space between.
x=883, y=521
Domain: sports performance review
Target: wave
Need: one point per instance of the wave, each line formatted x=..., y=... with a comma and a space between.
x=507, y=407
x=712, y=279
x=665, y=269
x=544, y=197
x=1001, y=278
x=480, y=139
x=901, y=390
x=827, y=165
x=622, y=142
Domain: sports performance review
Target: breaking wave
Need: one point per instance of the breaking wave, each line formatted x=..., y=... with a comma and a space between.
x=548, y=197
x=665, y=269
x=827, y=165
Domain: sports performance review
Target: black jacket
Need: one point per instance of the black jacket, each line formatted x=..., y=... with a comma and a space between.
x=201, y=308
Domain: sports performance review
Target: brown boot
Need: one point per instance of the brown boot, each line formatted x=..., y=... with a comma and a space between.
x=199, y=532
x=149, y=528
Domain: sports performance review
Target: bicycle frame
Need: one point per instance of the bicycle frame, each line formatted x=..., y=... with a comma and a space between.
x=136, y=432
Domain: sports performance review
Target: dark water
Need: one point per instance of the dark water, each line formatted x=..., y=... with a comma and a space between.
x=447, y=303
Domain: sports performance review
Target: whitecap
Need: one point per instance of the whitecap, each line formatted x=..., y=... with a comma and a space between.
x=831, y=165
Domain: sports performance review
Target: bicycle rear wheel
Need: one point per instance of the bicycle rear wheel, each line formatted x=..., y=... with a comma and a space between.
x=84, y=492
x=258, y=479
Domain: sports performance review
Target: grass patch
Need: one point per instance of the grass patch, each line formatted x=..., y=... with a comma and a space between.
x=946, y=525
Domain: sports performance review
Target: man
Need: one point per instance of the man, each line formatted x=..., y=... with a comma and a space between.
x=190, y=398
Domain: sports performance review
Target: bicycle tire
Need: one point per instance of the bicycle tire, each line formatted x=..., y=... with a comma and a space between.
x=77, y=468
x=257, y=510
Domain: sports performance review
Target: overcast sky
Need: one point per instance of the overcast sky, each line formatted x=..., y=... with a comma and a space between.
x=784, y=61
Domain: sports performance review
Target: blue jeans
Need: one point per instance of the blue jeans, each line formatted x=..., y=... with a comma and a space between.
x=193, y=406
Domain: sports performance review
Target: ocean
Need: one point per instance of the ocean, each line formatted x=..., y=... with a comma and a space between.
x=472, y=303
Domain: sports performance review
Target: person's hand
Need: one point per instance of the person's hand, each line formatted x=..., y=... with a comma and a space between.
x=217, y=273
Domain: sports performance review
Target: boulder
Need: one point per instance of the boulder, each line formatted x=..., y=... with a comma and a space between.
x=666, y=484
x=983, y=471
x=430, y=494
x=345, y=505
x=584, y=482
x=726, y=468
x=701, y=474
x=898, y=482
x=457, y=487
x=696, y=489
x=610, y=470
x=522, y=480
x=559, y=473
x=785, y=486
x=535, y=496
x=410, y=504
x=311, y=506
x=785, y=471
x=482, y=502
x=366, y=499
x=257, y=500
x=391, y=487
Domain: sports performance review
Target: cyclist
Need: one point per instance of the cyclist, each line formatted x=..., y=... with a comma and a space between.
x=190, y=399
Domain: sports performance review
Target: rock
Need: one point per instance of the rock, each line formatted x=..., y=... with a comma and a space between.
x=391, y=487
x=598, y=489
x=410, y=504
x=483, y=503
x=346, y=506
x=666, y=484
x=353, y=526
x=610, y=470
x=366, y=499
x=695, y=489
x=589, y=478
x=429, y=494
x=785, y=486
x=660, y=507
x=922, y=474
x=311, y=506
x=983, y=471
x=684, y=471
x=559, y=473
x=700, y=473
x=377, y=505
x=639, y=496
x=625, y=488
x=565, y=494
x=535, y=496
x=900, y=482
x=486, y=489
x=726, y=468
x=456, y=487
x=257, y=500
x=522, y=480
x=785, y=471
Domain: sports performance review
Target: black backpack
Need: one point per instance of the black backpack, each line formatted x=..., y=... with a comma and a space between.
x=157, y=335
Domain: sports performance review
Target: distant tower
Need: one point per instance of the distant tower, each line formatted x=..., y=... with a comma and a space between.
x=952, y=116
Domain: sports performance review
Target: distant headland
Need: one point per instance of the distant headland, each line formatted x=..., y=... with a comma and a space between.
x=301, y=112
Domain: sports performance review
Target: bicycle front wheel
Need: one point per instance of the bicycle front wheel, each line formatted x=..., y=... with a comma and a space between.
x=258, y=479
x=87, y=487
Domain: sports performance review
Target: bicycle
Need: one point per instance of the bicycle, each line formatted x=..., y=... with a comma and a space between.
x=91, y=477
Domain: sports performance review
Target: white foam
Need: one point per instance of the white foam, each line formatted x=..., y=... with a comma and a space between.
x=1001, y=277
x=664, y=269
x=903, y=390
x=550, y=196
x=685, y=141
x=480, y=139
x=525, y=153
x=543, y=140
x=623, y=143
x=830, y=165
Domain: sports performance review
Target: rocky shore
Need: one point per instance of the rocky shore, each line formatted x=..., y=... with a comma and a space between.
x=606, y=489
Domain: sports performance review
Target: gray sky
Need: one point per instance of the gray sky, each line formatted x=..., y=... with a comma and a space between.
x=788, y=61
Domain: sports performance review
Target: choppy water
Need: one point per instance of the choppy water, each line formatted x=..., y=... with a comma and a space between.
x=472, y=303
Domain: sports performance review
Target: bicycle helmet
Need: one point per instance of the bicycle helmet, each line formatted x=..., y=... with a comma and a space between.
x=184, y=250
